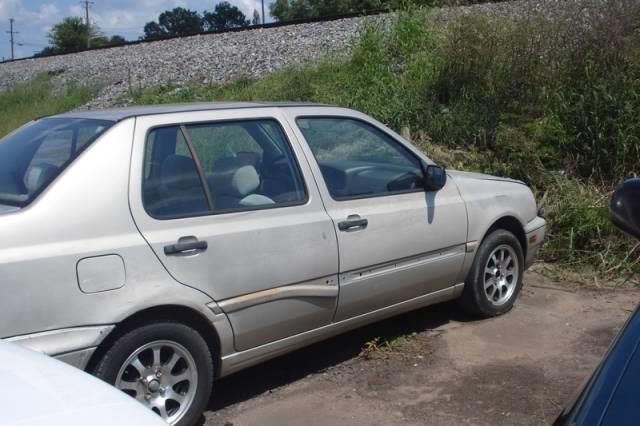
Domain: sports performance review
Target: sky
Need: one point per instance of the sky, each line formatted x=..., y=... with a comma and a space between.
x=34, y=18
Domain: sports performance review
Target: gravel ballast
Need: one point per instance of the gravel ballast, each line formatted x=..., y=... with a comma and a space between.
x=217, y=58
x=208, y=58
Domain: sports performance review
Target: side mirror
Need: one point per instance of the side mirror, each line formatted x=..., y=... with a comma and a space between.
x=435, y=177
x=625, y=207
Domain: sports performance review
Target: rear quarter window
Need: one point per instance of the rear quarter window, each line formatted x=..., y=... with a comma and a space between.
x=32, y=156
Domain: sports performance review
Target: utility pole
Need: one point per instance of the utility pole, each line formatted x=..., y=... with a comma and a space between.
x=11, y=33
x=262, y=12
x=87, y=5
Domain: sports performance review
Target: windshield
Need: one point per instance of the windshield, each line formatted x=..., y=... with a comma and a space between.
x=32, y=156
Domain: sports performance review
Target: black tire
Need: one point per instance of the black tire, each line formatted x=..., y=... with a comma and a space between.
x=109, y=365
x=475, y=299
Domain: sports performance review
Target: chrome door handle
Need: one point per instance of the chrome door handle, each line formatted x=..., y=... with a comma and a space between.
x=185, y=247
x=352, y=224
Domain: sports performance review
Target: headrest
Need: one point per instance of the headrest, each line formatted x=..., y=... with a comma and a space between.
x=38, y=176
x=179, y=172
x=232, y=176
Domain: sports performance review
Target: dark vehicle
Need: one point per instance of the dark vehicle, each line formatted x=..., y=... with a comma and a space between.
x=612, y=395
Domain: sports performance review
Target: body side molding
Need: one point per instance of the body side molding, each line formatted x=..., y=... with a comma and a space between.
x=324, y=287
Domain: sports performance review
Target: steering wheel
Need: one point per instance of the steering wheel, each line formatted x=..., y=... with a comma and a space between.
x=408, y=180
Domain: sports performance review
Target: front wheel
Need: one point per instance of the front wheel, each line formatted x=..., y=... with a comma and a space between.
x=495, y=278
x=167, y=366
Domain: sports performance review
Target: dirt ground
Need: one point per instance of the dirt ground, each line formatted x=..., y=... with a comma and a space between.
x=438, y=366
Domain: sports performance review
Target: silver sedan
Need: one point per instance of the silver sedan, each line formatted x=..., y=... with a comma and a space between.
x=163, y=247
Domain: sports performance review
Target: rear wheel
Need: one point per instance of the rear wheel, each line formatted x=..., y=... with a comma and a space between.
x=167, y=366
x=495, y=279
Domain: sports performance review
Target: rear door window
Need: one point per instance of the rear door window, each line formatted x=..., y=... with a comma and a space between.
x=224, y=166
x=172, y=186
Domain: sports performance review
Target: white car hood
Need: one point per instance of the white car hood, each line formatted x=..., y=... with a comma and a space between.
x=39, y=390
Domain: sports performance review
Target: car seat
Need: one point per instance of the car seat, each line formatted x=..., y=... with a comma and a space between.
x=233, y=183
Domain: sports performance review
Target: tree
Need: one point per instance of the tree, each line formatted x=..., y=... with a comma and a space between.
x=117, y=40
x=256, y=17
x=288, y=10
x=154, y=30
x=47, y=51
x=179, y=21
x=70, y=35
x=102, y=41
x=225, y=16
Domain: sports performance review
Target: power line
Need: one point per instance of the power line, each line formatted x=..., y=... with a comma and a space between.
x=28, y=43
x=120, y=28
x=11, y=34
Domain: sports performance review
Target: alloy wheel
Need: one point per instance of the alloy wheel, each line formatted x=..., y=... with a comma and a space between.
x=501, y=275
x=163, y=376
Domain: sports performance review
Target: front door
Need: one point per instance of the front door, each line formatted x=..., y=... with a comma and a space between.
x=229, y=210
x=396, y=241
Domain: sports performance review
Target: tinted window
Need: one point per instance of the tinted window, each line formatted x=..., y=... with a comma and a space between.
x=245, y=165
x=172, y=186
x=359, y=160
x=34, y=155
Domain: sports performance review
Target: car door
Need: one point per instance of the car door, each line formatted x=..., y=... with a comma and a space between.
x=396, y=241
x=228, y=209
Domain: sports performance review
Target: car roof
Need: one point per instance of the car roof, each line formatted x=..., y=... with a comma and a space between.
x=117, y=114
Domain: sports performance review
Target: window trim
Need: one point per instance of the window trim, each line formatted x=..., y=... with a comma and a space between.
x=208, y=196
x=362, y=196
x=201, y=174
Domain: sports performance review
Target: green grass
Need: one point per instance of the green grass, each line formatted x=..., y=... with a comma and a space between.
x=36, y=98
x=533, y=98
x=379, y=345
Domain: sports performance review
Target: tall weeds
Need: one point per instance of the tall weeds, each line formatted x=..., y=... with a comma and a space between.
x=552, y=99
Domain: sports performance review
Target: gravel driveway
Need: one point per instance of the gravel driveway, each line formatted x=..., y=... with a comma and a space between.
x=438, y=366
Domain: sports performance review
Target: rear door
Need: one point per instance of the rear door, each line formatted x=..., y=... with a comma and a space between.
x=396, y=241
x=228, y=209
